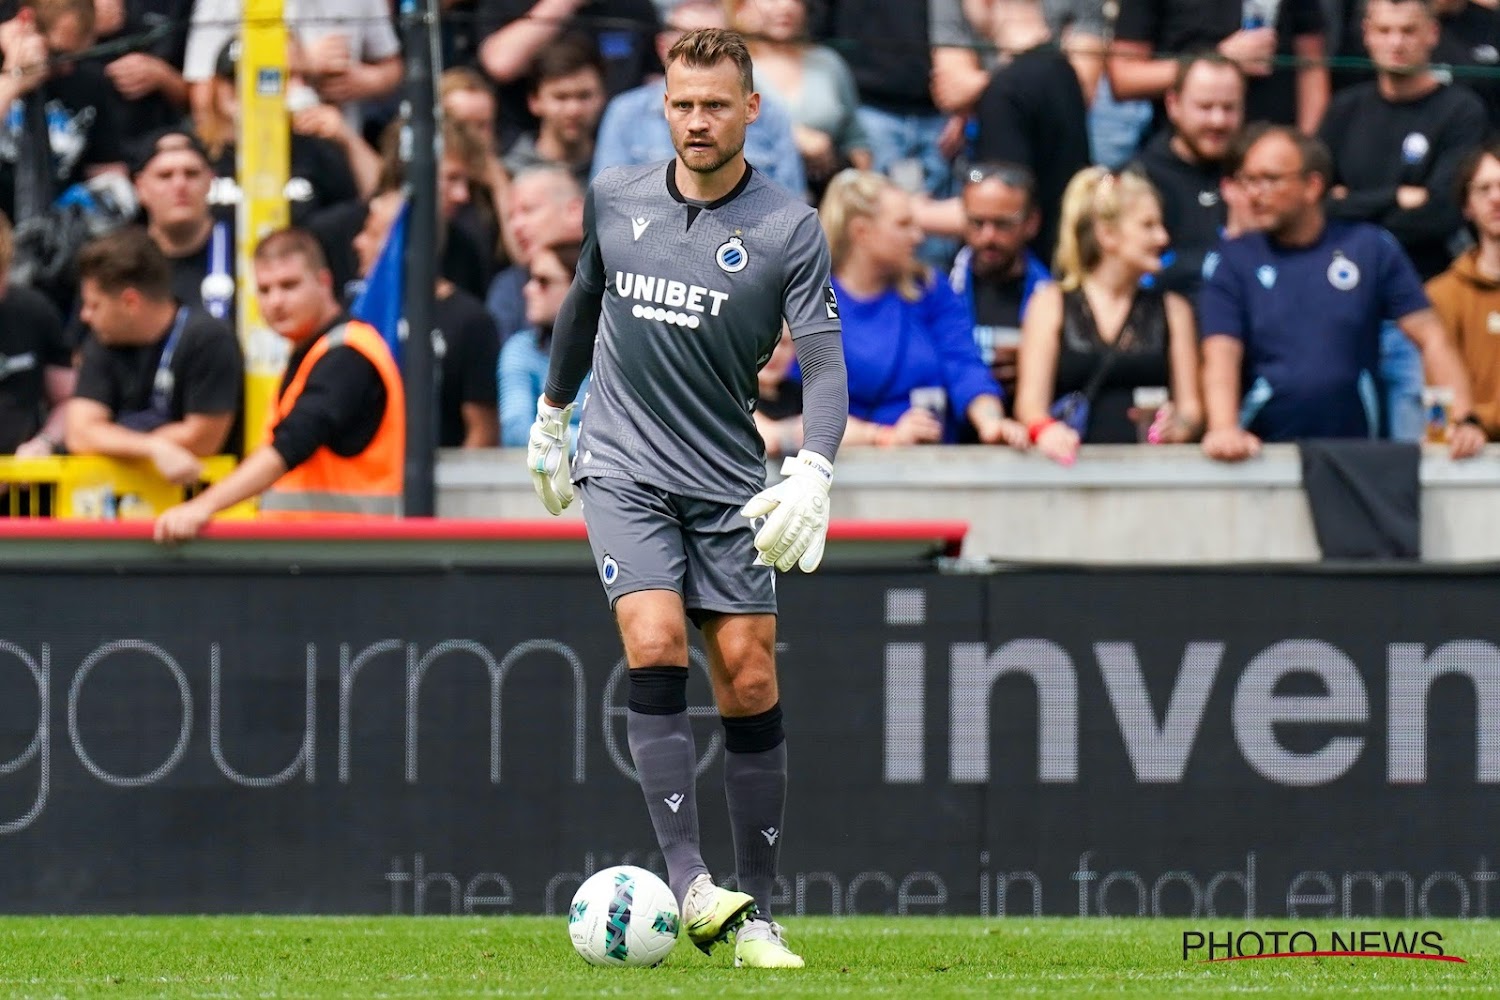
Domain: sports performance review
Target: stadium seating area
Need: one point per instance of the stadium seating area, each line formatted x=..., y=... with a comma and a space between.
x=1012, y=131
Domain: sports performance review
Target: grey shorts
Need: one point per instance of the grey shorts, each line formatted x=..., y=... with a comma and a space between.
x=645, y=538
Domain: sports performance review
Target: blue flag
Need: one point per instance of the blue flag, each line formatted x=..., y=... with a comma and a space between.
x=384, y=294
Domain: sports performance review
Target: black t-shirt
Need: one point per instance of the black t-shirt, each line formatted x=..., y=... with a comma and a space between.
x=1192, y=209
x=341, y=405
x=1033, y=113
x=83, y=125
x=1379, y=145
x=885, y=44
x=1182, y=26
x=624, y=30
x=1470, y=39
x=145, y=115
x=998, y=303
x=31, y=339
x=786, y=403
x=320, y=178
x=208, y=373
x=471, y=348
x=189, y=270
x=997, y=320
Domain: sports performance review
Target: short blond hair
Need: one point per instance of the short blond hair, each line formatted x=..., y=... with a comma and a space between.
x=459, y=79
x=706, y=47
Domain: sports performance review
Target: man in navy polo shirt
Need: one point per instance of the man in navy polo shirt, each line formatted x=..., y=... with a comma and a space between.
x=1291, y=315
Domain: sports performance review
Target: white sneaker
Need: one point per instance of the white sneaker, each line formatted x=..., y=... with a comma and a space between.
x=711, y=912
x=758, y=945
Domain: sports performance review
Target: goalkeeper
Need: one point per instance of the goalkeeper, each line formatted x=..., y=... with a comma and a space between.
x=688, y=269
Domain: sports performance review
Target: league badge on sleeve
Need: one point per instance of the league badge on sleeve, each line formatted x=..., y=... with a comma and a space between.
x=1343, y=273
x=731, y=255
x=830, y=302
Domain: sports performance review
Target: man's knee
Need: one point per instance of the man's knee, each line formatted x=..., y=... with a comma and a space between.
x=754, y=688
x=653, y=630
x=657, y=643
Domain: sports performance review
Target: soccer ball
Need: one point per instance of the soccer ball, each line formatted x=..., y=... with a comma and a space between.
x=623, y=916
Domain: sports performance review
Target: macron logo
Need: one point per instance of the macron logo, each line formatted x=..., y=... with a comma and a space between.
x=770, y=833
x=638, y=226
x=674, y=802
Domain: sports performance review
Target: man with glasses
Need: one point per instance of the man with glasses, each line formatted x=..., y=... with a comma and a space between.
x=1291, y=315
x=1206, y=106
x=634, y=130
x=995, y=270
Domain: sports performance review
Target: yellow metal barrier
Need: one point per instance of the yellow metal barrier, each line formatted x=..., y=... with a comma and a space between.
x=93, y=488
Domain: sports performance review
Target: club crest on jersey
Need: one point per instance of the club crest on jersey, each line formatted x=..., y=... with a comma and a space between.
x=732, y=255
x=1266, y=274
x=1415, y=147
x=1343, y=273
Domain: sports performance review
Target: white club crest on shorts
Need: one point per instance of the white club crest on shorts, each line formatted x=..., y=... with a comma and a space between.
x=610, y=569
x=1343, y=273
x=731, y=255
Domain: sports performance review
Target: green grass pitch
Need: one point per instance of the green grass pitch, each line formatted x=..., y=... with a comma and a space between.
x=368, y=958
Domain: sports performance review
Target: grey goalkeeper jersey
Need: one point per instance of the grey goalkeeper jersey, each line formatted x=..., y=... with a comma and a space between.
x=693, y=298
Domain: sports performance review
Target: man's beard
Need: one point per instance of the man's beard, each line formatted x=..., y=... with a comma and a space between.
x=716, y=164
x=999, y=270
x=1198, y=152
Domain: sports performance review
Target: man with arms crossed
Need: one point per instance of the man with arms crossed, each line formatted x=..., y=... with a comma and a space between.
x=687, y=271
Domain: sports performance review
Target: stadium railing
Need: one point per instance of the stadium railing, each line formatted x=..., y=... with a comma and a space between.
x=95, y=488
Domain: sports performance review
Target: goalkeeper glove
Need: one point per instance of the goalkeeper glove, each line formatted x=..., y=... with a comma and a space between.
x=547, y=456
x=796, y=513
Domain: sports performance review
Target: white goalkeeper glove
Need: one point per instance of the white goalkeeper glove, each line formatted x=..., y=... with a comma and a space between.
x=547, y=456
x=796, y=513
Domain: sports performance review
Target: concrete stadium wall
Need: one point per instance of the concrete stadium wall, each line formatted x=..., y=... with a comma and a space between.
x=1119, y=505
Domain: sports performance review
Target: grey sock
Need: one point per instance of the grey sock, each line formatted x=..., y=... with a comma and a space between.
x=662, y=748
x=755, y=784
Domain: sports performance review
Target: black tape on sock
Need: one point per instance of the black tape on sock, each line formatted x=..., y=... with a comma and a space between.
x=658, y=690
x=754, y=733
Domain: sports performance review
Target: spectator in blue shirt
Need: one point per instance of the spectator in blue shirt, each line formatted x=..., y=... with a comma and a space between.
x=634, y=129
x=523, y=360
x=1291, y=315
x=914, y=372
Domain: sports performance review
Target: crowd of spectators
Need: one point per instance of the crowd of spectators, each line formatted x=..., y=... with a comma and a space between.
x=1052, y=222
